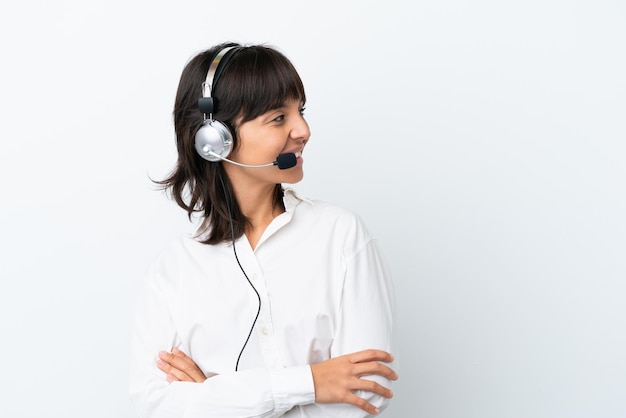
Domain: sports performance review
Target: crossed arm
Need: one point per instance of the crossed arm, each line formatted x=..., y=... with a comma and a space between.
x=335, y=379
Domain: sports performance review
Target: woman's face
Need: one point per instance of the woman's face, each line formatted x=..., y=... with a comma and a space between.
x=261, y=140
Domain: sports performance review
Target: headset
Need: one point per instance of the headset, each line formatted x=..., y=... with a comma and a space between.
x=214, y=139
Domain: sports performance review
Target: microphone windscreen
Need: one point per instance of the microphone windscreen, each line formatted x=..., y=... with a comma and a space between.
x=284, y=161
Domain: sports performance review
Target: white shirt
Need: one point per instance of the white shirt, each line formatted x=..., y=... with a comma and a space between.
x=325, y=291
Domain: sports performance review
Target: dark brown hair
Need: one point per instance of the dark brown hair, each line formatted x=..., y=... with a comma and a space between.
x=257, y=79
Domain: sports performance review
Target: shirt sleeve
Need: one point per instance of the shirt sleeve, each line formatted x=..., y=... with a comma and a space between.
x=250, y=393
x=367, y=320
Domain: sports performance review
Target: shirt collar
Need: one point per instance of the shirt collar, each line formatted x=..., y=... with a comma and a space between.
x=291, y=199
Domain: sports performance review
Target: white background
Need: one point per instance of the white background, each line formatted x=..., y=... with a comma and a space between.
x=483, y=142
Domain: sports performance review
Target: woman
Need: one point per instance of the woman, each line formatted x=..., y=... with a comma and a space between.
x=278, y=305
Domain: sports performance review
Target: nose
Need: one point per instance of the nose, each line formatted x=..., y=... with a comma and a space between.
x=300, y=129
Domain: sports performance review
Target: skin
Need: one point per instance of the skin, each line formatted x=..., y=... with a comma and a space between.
x=275, y=132
x=280, y=131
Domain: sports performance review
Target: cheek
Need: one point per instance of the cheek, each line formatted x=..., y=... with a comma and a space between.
x=266, y=143
x=258, y=146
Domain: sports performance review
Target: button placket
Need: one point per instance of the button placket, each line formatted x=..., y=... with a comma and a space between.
x=265, y=328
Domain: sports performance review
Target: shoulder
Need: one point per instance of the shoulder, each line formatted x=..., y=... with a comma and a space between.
x=319, y=208
x=174, y=259
x=172, y=251
x=320, y=215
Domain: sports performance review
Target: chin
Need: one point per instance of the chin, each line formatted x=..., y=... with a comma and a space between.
x=293, y=179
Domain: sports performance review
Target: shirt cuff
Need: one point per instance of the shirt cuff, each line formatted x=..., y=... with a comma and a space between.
x=292, y=386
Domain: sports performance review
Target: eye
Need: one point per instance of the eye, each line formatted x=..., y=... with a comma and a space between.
x=302, y=109
x=279, y=118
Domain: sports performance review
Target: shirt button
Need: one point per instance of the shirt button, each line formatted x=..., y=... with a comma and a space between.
x=266, y=330
x=254, y=277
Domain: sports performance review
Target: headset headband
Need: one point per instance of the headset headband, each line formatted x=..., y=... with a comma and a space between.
x=205, y=103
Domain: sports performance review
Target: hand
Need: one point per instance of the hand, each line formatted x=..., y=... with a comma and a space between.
x=336, y=379
x=179, y=368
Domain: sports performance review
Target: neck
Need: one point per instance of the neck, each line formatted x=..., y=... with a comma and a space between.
x=258, y=206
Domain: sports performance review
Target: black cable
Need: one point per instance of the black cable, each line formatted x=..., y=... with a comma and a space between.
x=232, y=234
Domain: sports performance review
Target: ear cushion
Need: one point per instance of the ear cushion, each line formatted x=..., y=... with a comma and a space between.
x=213, y=140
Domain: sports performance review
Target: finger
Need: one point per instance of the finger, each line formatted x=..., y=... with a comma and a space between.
x=371, y=386
x=180, y=361
x=167, y=356
x=189, y=366
x=174, y=366
x=374, y=368
x=172, y=373
x=352, y=399
x=370, y=355
x=177, y=353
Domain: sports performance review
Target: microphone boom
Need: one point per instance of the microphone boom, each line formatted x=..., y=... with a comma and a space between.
x=283, y=161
